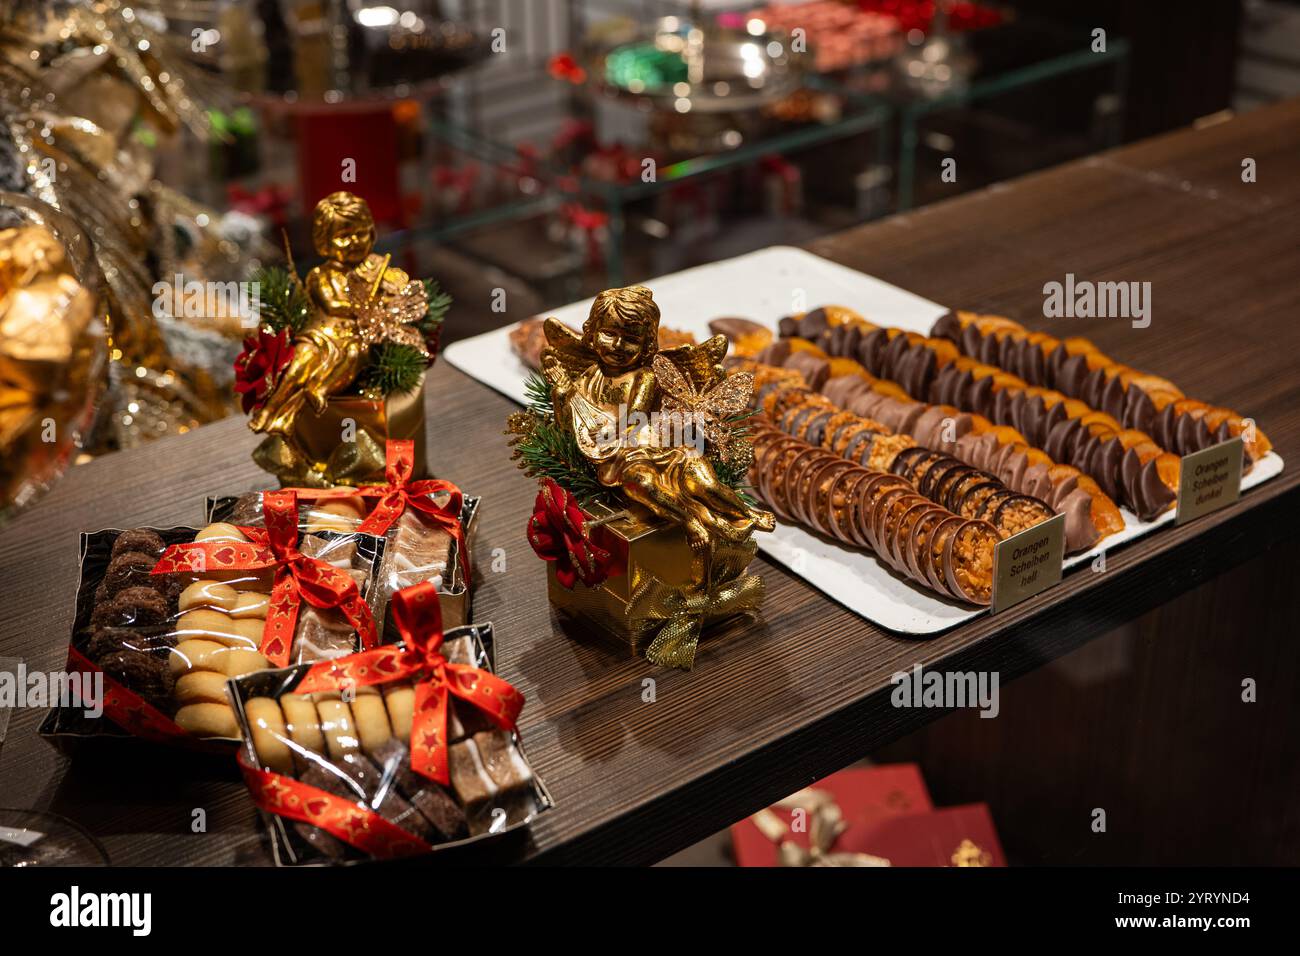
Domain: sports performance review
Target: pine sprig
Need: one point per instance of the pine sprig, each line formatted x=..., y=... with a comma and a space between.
x=733, y=470
x=545, y=450
x=282, y=302
x=439, y=303
x=735, y=475
x=538, y=392
x=393, y=369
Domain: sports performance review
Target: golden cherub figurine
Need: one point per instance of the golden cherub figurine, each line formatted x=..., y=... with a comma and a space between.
x=611, y=384
x=357, y=300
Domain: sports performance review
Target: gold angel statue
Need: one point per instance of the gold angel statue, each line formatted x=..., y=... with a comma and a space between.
x=615, y=392
x=357, y=300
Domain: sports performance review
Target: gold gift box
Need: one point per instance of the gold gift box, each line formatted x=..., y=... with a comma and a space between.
x=652, y=548
x=331, y=459
x=395, y=416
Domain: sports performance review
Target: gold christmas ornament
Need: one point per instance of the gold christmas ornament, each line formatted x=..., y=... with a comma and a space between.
x=652, y=428
x=87, y=90
x=52, y=347
x=325, y=419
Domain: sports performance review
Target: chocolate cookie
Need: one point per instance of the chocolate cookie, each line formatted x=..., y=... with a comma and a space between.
x=143, y=672
x=104, y=641
x=134, y=605
x=128, y=569
x=141, y=540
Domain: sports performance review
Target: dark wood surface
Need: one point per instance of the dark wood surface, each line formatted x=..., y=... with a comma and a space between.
x=1152, y=724
x=772, y=707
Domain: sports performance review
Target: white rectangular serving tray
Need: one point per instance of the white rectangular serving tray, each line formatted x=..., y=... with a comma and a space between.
x=764, y=286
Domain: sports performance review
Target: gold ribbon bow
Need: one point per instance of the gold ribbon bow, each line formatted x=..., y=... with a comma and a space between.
x=825, y=824
x=676, y=616
x=350, y=463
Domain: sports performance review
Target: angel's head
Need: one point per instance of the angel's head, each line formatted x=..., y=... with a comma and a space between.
x=343, y=229
x=623, y=328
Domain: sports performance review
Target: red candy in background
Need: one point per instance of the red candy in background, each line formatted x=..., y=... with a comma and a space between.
x=919, y=14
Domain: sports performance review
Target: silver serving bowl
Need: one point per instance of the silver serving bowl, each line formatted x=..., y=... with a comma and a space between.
x=726, y=71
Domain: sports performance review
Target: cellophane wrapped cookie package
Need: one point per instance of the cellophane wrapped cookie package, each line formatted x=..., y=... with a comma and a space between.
x=417, y=549
x=355, y=745
x=167, y=642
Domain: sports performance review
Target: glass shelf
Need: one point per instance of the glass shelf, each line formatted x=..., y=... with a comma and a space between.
x=987, y=70
x=611, y=158
x=577, y=160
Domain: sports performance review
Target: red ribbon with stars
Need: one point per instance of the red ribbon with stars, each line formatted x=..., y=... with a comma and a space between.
x=418, y=616
x=136, y=715
x=401, y=492
x=350, y=822
x=298, y=578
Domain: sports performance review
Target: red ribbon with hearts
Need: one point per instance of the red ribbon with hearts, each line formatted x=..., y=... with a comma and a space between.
x=136, y=715
x=298, y=578
x=345, y=819
x=418, y=616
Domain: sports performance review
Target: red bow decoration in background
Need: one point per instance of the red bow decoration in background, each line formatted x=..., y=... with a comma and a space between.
x=565, y=66
x=459, y=181
x=590, y=223
x=401, y=492
x=271, y=201
x=297, y=577
x=418, y=616
x=557, y=533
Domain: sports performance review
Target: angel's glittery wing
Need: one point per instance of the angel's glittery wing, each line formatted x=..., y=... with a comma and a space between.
x=390, y=318
x=405, y=335
x=410, y=305
x=716, y=407
x=701, y=364
x=565, y=345
x=730, y=397
x=677, y=392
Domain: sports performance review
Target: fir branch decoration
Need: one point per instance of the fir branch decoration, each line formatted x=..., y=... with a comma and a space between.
x=538, y=392
x=282, y=303
x=439, y=303
x=393, y=369
x=545, y=450
x=734, y=474
x=731, y=462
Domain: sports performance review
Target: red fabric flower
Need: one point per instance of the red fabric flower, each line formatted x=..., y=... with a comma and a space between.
x=259, y=365
x=556, y=532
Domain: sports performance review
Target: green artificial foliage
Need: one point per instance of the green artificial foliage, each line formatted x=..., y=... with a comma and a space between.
x=439, y=303
x=282, y=301
x=393, y=369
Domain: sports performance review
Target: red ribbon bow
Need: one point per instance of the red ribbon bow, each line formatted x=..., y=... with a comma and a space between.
x=401, y=492
x=297, y=577
x=557, y=533
x=418, y=616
